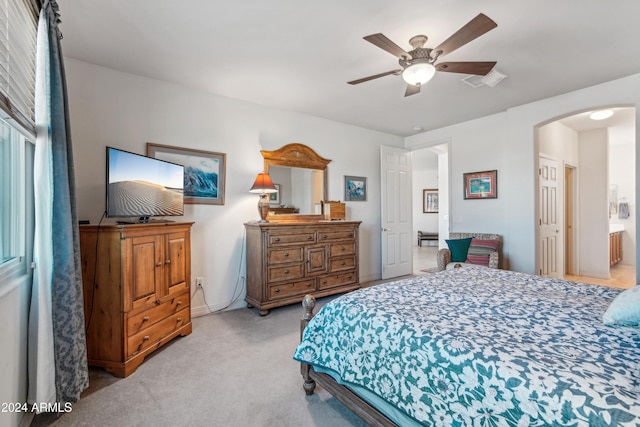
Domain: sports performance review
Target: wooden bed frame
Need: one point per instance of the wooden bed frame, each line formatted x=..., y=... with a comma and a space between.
x=351, y=400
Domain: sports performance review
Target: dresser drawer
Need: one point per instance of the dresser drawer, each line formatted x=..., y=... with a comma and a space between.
x=280, y=255
x=335, y=280
x=289, y=272
x=291, y=289
x=338, y=249
x=328, y=235
x=279, y=238
x=339, y=264
x=155, y=333
x=143, y=319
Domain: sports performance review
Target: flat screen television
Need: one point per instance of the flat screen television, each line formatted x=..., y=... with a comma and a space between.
x=143, y=187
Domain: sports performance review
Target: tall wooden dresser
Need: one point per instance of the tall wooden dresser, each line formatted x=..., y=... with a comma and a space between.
x=286, y=261
x=136, y=281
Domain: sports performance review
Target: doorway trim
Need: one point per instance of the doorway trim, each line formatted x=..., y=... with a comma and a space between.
x=571, y=260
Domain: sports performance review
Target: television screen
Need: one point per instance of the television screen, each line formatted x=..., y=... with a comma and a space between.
x=140, y=186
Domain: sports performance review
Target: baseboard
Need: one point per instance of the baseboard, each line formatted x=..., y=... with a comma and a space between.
x=203, y=310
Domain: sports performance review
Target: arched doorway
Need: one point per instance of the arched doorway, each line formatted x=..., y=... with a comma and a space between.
x=592, y=158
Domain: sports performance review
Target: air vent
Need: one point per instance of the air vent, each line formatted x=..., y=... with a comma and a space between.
x=493, y=78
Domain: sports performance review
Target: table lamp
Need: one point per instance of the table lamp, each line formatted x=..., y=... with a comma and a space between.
x=263, y=186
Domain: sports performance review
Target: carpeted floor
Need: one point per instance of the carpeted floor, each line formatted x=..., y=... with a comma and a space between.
x=235, y=369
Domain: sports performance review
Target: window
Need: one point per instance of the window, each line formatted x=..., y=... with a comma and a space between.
x=16, y=201
x=18, y=32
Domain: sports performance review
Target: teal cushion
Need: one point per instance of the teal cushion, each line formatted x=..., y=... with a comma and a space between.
x=624, y=309
x=459, y=249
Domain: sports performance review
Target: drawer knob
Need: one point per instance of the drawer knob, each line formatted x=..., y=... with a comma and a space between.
x=309, y=238
x=159, y=264
x=343, y=249
x=324, y=236
x=178, y=303
x=145, y=338
x=324, y=281
x=277, y=239
x=308, y=285
x=145, y=319
x=286, y=254
x=179, y=319
x=342, y=262
x=168, y=261
x=276, y=290
x=286, y=272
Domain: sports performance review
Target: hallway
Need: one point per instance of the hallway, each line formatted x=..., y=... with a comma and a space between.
x=622, y=276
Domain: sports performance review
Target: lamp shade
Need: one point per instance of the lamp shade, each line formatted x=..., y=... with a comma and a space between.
x=263, y=184
x=418, y=73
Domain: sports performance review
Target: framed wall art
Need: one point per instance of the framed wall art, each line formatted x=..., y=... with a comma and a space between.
x=274, y=198
x=204, y=172
x=355, y=188
x=481, y=185
x=430, y=201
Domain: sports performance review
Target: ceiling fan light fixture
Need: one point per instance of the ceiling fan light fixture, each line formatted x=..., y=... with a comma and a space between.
x=418, y=73
x=601, y=114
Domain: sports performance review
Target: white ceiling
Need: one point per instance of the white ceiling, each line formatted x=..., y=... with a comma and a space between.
x=296, y=55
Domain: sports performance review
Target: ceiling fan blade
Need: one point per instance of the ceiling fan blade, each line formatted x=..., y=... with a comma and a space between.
x=472, y=30
x=366, y=79
x=412, y=90
x=383, y=42
x=477, y=68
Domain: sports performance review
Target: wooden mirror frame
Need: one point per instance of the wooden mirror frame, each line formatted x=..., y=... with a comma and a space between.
x=297, y=156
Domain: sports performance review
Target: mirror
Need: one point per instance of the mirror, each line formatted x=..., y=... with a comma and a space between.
x=299, y=190
x=301, y=175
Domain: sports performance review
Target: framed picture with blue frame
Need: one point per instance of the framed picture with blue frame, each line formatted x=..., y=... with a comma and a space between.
x=481, y=185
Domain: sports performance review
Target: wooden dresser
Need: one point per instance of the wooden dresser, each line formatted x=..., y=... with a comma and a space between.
x=286, y=261
x=136, y=281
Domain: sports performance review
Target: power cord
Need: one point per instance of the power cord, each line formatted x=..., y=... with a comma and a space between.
x=95, y=270
x=237, y=292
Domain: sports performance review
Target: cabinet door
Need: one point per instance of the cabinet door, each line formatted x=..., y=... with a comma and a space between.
x=176, y=263
x=143, y=270
x=316, y=259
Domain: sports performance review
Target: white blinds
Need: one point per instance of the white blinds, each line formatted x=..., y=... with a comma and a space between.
x=18, y=29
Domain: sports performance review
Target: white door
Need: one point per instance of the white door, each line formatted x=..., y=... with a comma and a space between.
x=549, y=221
x=395, y=196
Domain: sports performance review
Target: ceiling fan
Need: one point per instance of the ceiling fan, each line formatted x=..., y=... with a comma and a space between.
x=418, y=65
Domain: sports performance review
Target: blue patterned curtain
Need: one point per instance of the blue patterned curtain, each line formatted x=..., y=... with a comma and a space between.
x=58, y=357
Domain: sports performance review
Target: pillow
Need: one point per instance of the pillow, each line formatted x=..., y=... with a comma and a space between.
x=480, y=250
x=624, y=309
x=459, y=249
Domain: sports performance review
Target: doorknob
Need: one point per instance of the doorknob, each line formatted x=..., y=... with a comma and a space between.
x=386, y=229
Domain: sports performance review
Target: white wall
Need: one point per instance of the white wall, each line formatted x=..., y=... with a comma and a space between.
x=126, y=111
x=506, y=142
x=593, y=206
x=14, y=311
x=474, y=146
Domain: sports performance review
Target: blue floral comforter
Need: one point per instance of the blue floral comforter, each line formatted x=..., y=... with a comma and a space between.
x=483, y=347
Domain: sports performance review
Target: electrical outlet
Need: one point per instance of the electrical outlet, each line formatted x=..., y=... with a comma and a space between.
x=199, y=281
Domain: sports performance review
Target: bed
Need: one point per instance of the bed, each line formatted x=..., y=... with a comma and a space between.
x=475, y=346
